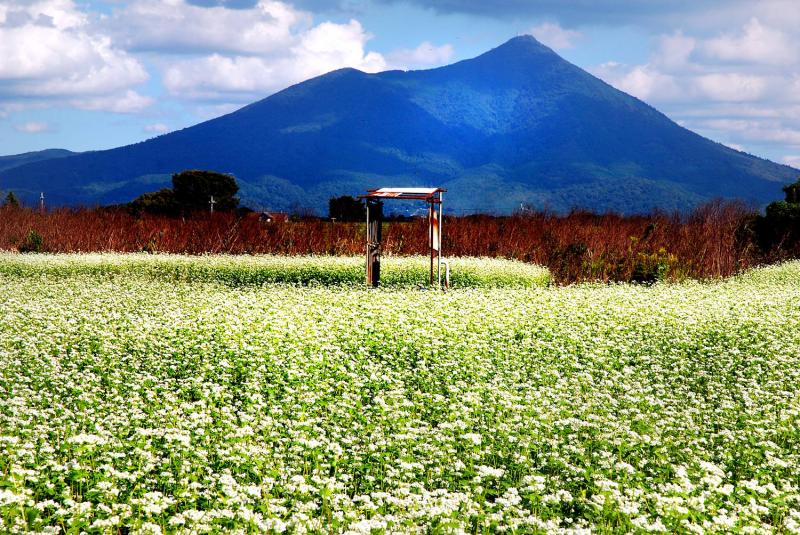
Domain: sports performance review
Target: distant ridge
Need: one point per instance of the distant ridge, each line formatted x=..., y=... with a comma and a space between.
x=515, y=126
x=15, y=160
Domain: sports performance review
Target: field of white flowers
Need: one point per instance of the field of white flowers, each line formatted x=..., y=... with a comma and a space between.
x=269, y=269
x=169, y=404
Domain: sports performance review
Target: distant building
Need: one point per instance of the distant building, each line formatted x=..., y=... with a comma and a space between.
x=273, y=217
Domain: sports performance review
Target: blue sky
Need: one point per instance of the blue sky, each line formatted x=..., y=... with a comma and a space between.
x=97, y=74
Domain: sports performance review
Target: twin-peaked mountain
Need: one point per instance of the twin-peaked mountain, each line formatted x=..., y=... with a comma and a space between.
x=516, y=125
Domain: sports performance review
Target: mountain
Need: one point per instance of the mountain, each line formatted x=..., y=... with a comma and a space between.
x=8, y=162
x=515, y=125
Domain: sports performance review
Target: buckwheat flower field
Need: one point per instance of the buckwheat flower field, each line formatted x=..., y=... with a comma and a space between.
x=145, y=396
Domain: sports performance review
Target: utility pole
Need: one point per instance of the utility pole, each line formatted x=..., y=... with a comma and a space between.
x=41, y=203
x=211, y=203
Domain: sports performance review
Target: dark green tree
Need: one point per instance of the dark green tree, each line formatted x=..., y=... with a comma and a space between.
x=780, y=227
x=346, y=208
x=161, y=202
x=11, y=200
x=193, y=190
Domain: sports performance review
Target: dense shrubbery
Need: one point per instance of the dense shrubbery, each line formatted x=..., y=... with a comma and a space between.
x=716, y=240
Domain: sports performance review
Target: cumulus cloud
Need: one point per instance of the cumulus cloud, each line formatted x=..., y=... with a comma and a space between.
x=554, y=36
x=178, y=26
x=32, y=127
x=320, y=49
x=741, y=87
x=50, y=51
x=756, y=43
x=793, y=160
x=674, y=51
x=642, y=81
x=250, y=51
x=214, y=51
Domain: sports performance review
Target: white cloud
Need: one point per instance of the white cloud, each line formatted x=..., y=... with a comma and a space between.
x=674, y=51
x=425, y=55
x=128, y=102
x=32, y=127
x=320, y=49
x=756, y=43
x=329, y=46
x=731, y=87
x=555, y=36
x=156, y=128
x=50, y=51
x=177, y=26
x=642, y=81
x=793, y=160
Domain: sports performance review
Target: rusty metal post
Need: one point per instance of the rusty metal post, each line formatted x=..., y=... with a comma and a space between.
x=431, y=212
x=440, y=236
x=374, y=224
x=435, y=241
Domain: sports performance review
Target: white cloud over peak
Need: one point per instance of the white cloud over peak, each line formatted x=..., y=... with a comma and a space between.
x=50, y=50
x=320, y=49
x=793, y=160
x=555, y=36
x=425, y=55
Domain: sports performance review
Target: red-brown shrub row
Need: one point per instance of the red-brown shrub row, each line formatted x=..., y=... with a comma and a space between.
x=710, y=242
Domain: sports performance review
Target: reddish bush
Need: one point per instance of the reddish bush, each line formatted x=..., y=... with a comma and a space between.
x=578, y=246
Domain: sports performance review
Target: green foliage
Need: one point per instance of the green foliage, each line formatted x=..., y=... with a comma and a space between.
x=33, y=243
x=792, y=192
x=191, y=192
x=160, y=202
x=11, y=200
x=780, y=226
x=654, y=267
x=346, y=208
